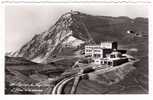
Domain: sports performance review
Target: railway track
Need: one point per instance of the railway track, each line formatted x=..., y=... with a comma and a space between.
x=59, y=87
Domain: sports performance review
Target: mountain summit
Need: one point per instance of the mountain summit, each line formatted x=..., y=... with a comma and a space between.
x=68, y=31
x=73, y=29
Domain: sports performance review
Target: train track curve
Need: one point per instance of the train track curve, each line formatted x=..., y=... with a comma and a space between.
x=59, y=87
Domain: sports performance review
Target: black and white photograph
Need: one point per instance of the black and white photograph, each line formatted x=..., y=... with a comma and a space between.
x=76, y=49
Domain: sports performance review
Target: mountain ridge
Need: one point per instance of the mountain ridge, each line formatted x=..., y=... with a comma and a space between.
x=79, y=28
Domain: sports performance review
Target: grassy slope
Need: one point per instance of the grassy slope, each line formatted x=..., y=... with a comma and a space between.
x=30, y=73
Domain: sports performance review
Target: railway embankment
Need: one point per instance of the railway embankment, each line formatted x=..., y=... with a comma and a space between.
x=109, y=76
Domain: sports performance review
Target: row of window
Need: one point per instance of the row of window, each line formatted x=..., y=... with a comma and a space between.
x=88, y=50
x=105, y=62
x=94, y=50
x=97, y=55
x=97, y=50
x=96, y=46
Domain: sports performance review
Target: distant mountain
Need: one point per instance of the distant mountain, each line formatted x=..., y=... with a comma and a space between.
x=74, y=29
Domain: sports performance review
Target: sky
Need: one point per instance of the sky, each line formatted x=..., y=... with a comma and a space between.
x=22, y=22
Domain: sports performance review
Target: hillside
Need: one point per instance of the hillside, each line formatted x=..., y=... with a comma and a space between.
x=18, y=61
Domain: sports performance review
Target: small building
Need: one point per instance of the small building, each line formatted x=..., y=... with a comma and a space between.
x=116, y=58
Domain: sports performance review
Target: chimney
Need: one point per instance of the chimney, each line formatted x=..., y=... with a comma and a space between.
x=114, y=45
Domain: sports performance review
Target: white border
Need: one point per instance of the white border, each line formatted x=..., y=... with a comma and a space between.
x=89, y=97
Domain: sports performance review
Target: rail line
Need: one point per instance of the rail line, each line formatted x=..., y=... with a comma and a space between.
x=59, y=87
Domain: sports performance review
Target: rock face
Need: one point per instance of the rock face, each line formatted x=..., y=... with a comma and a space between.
x=74, y=29
x=59, y=36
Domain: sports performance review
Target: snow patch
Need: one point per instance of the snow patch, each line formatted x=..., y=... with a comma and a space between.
x=72, y=41
x=38, y=59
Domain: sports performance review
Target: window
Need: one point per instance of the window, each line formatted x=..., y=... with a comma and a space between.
x=112, y=56
x=105, y=62
x=89, y=55
x=88, y=50
x=97, y=55
x=96, y=50
x=109, y=63
x=102, y=62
